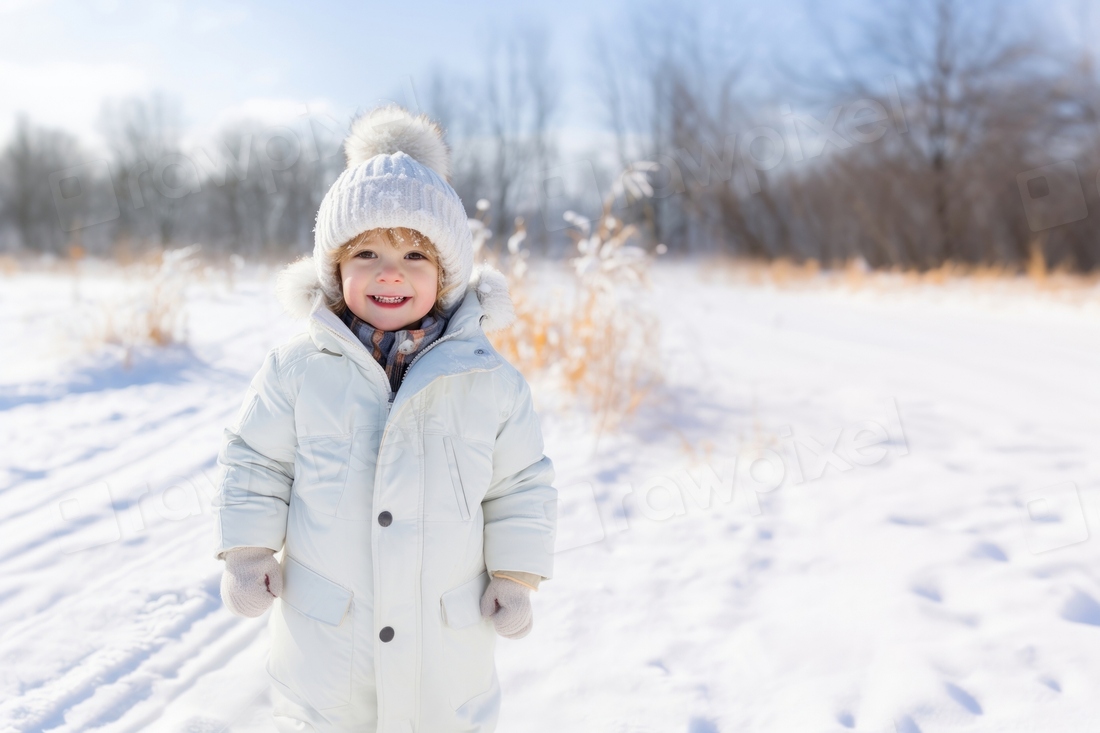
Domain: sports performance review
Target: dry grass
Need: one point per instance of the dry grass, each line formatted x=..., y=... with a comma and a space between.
x=593, y=339
x=1035, y=277
x=9, y=265
x=598, y=350
x=153, y=311
x=117, y=306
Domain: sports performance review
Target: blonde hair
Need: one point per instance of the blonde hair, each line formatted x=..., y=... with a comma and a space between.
x=395, y=237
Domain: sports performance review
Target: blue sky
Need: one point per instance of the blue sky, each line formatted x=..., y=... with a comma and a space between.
x=59, y=59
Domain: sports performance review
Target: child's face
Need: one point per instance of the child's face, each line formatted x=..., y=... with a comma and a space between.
x=375, y=268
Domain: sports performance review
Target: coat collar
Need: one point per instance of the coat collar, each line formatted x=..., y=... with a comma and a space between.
x=462, y=347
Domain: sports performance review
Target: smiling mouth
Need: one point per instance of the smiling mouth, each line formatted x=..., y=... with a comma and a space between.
x=388, y=301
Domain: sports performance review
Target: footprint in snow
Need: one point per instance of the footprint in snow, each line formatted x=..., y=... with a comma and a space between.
x=702, y=725
x=658, y=664
x=1082, y=608
x=908, y=521
x=990, y=551
x=927, y=590
x=906, y=724
x=963, y=698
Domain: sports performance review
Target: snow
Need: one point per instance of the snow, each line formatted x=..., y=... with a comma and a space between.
x=907, y=544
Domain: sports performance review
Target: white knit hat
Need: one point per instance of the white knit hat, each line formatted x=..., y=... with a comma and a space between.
x=397, y=176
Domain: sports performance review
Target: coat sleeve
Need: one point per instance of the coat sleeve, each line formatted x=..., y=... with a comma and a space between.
x=529, y=579
x=257, y=467
x=520, y=507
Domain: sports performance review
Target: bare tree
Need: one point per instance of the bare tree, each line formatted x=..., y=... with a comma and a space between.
x=153, y=175
x=452, y=100
x=521, y=97
x=668, y=82
x=963, y=71
x=26, y=199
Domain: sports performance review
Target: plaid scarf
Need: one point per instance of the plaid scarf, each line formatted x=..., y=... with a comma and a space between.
x=394, y=350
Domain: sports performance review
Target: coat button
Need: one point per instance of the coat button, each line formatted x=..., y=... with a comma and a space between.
x=480, y=351
x=385, y=518
x=386, y=633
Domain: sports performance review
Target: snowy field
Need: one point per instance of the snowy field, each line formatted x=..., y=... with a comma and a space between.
x=911, y=543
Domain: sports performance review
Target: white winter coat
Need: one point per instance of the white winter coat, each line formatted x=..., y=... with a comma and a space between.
x=393, y=517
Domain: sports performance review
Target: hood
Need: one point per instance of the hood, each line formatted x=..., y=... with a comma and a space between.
x=297, y=289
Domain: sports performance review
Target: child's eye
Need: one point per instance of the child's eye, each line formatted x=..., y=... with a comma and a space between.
x=364, y=253
x=416, y=255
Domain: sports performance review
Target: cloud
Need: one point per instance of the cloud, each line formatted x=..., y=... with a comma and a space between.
x=271, y=112
x=14, y=6
x=209, y=20
x=64, y=94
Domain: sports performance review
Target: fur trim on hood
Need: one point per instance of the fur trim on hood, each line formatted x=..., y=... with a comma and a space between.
x=297, y=289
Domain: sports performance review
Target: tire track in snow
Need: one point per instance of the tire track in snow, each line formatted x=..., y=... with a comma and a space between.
x=150, y=445
x=43, y=708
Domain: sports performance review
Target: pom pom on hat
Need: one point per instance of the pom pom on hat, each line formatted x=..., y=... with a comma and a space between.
x=391, y=129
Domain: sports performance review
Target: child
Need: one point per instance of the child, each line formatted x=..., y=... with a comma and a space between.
x=392, y=457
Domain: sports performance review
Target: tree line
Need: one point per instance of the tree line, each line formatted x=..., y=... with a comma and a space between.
x=923, y=132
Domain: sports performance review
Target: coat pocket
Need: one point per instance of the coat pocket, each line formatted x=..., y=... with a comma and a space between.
x=456, y=478
x=473, y=461
x=457, y=473
x=469, y=642
x=444, y=495
x=321, y=471
x=312, y=637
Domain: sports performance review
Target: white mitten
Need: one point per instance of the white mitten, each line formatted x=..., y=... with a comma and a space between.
x=508, y=603
x=252, y=580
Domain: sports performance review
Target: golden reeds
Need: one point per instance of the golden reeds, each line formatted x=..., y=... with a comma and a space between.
x=596, y=341
x=1035, y=276
x=154, y=313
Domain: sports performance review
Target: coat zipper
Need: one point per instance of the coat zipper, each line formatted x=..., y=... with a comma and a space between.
x=441, y=339
x=389, y=406
x=385, y=377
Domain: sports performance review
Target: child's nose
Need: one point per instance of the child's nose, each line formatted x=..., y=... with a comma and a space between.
x=390, y=273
